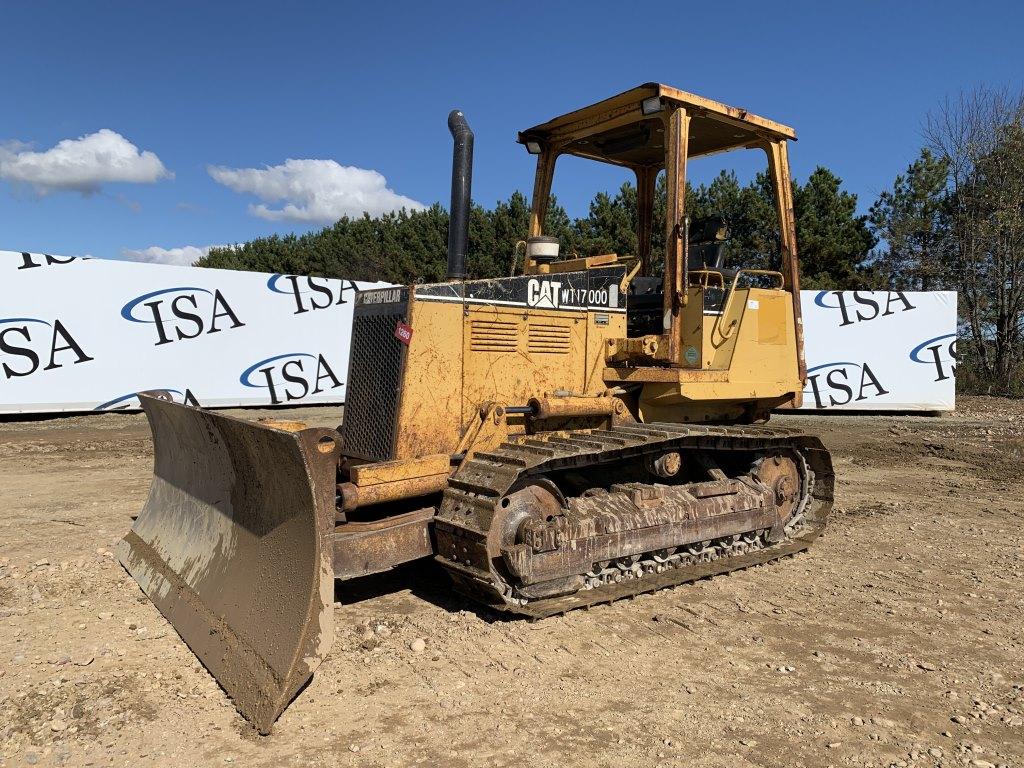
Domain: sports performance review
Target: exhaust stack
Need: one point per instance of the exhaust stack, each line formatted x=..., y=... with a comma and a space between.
x=462, y=181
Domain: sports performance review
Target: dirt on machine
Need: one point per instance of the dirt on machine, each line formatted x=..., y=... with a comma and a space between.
x=589, y=429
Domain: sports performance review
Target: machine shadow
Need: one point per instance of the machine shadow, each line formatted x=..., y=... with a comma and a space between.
x=423, y=579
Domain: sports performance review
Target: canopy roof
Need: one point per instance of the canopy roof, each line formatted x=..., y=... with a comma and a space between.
x=616, y=130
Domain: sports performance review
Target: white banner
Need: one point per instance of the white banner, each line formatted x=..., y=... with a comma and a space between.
x=880, y=350
x=88, y=334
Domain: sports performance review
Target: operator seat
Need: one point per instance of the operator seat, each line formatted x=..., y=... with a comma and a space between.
x=708, y=236
x=707, y=251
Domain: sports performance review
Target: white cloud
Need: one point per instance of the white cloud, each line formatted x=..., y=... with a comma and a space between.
x=184, y=256
x=313, y=190
x=81, y=165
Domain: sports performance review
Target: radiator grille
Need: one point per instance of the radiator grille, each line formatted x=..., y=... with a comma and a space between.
x=374, y=382
x=549, y=338
x=493, y=336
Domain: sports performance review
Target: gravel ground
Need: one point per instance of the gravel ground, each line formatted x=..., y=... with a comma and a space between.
x=897, y=640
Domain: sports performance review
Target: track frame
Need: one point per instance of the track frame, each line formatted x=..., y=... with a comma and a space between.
x=468, y=523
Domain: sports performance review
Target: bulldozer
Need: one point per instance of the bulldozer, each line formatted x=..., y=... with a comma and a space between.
x=582, y=431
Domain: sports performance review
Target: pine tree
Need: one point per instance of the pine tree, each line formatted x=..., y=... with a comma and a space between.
x=411, y=246
x=833, y=242
x=911, y=220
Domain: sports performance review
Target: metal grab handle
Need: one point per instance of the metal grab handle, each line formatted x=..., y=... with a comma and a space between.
x=769, y=272
x=681, y=276
x=709, y=273
x=630, y=274
x=727, y=332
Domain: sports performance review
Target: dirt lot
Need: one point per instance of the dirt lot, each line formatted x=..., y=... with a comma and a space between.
x=899, y=640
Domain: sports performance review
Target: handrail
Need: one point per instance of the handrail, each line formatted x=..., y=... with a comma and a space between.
x=709, y=273
x=770, y=272
x=627, y=278
x=727, y=332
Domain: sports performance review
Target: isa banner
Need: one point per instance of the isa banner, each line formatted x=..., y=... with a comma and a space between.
x=88, y=334
x=880, y=350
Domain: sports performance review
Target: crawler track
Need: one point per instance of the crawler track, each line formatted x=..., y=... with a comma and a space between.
x=471, y=511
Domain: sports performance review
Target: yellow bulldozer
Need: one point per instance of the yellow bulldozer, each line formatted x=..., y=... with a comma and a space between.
x=577, y=433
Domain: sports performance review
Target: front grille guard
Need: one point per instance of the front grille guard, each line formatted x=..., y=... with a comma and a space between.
x=374, y=383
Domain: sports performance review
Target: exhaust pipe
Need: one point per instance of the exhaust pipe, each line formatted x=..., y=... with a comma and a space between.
x=462, y=181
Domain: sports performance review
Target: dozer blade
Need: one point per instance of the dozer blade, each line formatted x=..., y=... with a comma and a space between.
x=232, y=548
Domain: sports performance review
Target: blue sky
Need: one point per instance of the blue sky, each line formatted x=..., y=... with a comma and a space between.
x=186, y=105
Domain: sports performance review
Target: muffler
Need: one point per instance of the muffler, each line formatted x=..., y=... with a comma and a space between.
x=462, y=185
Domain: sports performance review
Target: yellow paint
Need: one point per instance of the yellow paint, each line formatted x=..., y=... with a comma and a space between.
x=466, y=362
x=396, y=471
x=511, y=354
x=430, y=407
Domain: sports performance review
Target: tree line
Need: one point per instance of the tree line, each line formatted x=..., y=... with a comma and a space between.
x=411, y=246
x=953, y=220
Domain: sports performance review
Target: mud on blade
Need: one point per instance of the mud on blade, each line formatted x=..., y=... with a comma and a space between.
x=232, y=548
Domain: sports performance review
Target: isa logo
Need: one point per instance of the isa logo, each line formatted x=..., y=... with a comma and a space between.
x=863, y=306
x=131, y=399
x=311, y=293
x=839, y=383
x=939, y=352
x=30, y=344
x=36, y=260
x=291, y=376
x=181, y=313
